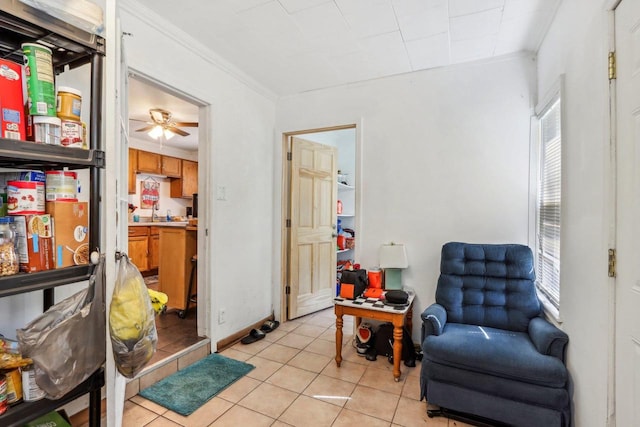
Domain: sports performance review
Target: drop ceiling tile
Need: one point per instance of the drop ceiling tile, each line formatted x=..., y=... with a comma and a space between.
x=472, y=49
x=476, y=25
x=353, y=67
x=419, y=19
x=293, y=6
x=514, y=9
x=353, y=7
x=320, y=21
x=429, y=52
x=268, y=18
x=523, y=33
x=467, y=7
x=241, y=5
x=375, y=19
x=387, y=53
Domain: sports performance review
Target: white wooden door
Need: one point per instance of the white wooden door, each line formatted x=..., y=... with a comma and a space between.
x=627, y=363
x=312, y=267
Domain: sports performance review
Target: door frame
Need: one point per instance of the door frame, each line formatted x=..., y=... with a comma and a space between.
x=285, y=235
x=203, y=272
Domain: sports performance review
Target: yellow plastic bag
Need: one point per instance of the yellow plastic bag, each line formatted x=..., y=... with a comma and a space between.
x=132, y=323
x=158, y=301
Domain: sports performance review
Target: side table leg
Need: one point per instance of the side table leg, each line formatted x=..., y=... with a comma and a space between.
x=397, y=351
x=338, y=339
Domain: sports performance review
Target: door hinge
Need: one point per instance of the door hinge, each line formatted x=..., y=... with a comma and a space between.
x=612, y=263
x=289, y=155
x=288, y=223
x=612, y=66
x=287, y=290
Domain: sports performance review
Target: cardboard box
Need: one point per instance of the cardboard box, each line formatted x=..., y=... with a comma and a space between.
x=71, y=231
x=34, y=242
x=12, y=123
x=52, y=419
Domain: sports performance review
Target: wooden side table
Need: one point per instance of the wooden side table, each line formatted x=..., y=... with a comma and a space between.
x=365, y=308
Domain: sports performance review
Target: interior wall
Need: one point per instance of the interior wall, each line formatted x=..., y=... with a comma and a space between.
x=444, y=157
x=239, y=159
x=577, y=46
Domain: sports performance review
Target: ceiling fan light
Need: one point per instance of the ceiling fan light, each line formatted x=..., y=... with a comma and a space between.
x=156, y=132
x=168, y=134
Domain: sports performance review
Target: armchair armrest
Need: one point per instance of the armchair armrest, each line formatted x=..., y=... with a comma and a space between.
x=547, y=338
x=433, y=320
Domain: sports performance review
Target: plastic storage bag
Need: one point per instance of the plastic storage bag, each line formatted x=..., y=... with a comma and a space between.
x=68, y=342
x=132, y=323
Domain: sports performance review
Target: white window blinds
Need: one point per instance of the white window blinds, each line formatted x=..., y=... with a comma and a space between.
x=549, y=204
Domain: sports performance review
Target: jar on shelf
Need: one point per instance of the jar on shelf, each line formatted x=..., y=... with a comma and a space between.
x=8, y=256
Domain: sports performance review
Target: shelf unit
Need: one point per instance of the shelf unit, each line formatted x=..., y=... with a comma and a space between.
x=20, y=23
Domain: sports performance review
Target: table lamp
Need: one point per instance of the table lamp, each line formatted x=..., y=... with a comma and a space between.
x=393, y=258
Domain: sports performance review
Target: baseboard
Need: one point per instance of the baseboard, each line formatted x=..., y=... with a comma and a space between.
x=234, y=338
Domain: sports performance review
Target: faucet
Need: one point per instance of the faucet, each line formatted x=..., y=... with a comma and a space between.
x=154, y=212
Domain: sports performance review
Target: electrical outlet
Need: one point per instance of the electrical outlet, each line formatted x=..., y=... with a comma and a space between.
x=222, y=316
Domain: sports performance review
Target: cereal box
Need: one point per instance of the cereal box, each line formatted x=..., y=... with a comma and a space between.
x=71, y=230
x=34, y=242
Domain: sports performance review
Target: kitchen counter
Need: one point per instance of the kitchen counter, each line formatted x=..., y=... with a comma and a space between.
x=159, y=224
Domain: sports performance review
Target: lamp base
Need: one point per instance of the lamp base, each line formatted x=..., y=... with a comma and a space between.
x=392, y=278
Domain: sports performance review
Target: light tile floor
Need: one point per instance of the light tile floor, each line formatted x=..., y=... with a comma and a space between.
x=296, y=383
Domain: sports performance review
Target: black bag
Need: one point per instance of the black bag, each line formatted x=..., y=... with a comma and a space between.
x=384, y=344
x=353, y=283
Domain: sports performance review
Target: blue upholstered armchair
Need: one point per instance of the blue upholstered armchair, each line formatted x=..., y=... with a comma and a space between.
x=487, y=349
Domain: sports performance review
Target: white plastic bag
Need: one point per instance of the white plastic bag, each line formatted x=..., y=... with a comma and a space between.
x=67, y=342
x=132, y=324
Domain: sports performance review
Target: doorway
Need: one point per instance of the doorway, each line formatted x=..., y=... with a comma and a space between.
x=163, y=142
x=322, y=216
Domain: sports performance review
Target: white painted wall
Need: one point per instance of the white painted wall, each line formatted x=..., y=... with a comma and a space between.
x=576, y=45
x=444, y=156
x=237, y=154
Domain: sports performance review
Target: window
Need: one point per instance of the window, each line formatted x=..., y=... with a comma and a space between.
x=548, y=206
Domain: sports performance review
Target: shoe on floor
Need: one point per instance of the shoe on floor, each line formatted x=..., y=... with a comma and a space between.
x=270, y=325
x=254, y=335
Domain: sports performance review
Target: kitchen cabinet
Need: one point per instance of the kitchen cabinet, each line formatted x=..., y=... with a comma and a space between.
x=144, y=247
x=154, y=247
x=133, y=164
x=187, y=185
x=177, y=246
x=71, y=48
x=171, y=167
x=149, y=162
x=139, y=247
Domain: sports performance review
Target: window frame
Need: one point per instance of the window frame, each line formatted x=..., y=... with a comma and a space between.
x=555, y=94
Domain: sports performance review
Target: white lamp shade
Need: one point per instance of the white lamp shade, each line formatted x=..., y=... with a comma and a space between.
x=393, y=256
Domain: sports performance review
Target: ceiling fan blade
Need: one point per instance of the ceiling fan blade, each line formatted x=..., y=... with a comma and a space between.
x=185, y=124
x=138, y=120
x=146, y=128
x=177, y=131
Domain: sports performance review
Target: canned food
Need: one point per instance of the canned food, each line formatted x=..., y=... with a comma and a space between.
x=69, y=103
x=25, y=197
x=72, y=134
x=61, y=186
x=38, y=69
x=46, y=130
x=30, y=389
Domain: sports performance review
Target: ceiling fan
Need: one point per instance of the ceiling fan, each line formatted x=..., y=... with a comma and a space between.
x=161, y=124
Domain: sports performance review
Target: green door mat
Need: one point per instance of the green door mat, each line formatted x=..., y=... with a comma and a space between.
x=188, y=389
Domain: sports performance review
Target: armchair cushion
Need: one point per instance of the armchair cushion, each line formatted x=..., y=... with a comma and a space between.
x=496, y=352
x=488, y=285
x=547, y=338
x=433, y=320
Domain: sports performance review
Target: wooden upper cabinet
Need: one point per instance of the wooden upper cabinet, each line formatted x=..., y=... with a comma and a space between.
x=171, y=167
x=185, y=186
x=149, y=162
x=133, y=165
